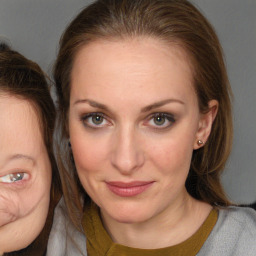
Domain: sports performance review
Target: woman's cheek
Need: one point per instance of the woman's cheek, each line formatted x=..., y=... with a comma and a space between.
x=9, y=206
x=15, y=204
x=88, y=152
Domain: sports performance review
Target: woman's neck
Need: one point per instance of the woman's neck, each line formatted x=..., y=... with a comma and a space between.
x=170, y=227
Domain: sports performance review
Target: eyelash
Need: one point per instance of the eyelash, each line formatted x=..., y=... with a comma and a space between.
x=86, y=117
x=17, y=177
x=166, y=116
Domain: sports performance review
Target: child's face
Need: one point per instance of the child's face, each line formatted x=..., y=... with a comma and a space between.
x=25, y=174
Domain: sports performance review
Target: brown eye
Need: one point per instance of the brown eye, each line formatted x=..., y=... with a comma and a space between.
x=159, y=120
x=97, y=119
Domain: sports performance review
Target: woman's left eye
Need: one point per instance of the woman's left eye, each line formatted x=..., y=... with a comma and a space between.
x=14, y=177
x=161, y=120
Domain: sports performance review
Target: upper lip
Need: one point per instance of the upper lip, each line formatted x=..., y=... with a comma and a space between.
x=122, y=184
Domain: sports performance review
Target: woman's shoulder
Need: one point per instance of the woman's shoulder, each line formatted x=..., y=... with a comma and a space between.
x=64, y=238
x=233, y=234
x=243, y=217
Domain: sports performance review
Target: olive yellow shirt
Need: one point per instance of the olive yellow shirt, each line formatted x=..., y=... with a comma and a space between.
x=99, y=243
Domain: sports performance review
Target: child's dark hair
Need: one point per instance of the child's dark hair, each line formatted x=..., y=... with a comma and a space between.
x=24, y=79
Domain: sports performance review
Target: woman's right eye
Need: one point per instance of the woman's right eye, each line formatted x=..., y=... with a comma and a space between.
x=95, y=120
x=14, y=177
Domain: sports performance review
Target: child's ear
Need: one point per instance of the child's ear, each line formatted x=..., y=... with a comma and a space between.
x=205, y=124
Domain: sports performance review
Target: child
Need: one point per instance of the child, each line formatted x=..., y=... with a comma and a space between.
x=27, y=165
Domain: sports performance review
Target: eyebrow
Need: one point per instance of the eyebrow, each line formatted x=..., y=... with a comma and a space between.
x=92, y=103
x=160, y=104
x=144, y=109
x=21, y=156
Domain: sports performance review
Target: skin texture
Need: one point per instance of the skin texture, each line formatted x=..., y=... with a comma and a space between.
x=135, y=80
x=23, y=203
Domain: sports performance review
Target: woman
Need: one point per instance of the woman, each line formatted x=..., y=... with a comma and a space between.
x=27, y=117
x=146, y=129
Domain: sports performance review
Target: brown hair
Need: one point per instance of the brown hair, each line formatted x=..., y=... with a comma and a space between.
x=24, y=79
x=173, y=21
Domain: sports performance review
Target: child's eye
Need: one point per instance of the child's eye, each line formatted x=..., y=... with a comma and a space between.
x=14, y=177
x=95, y=120
x=161, y=120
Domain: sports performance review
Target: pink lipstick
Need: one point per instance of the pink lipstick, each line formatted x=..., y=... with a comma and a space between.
x=128, y=189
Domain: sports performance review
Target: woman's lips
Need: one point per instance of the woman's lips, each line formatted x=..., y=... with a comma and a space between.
x=129, y=189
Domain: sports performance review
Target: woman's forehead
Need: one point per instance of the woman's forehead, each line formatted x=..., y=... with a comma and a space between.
x=137, y=65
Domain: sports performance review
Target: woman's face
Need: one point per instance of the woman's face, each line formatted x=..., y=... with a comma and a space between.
x=25, y=174
x=134, y=122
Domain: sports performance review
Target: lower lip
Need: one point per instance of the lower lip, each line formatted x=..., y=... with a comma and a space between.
x=129, y=191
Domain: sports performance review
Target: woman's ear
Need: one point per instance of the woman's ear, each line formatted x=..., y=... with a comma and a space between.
x=205, y=124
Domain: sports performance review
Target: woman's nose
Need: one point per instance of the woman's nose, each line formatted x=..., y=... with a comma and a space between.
x=127, y=154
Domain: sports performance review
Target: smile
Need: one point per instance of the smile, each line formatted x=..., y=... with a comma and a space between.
x=128, y=189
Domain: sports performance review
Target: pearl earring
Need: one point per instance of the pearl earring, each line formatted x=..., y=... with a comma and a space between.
x=200, y=142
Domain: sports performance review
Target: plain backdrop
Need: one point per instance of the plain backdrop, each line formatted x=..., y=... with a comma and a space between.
x=34, y=27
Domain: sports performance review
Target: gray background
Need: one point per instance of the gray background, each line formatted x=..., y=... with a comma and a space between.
x=34, y=27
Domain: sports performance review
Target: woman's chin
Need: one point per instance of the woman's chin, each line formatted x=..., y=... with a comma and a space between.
x=129, y=219
x=127, y=215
